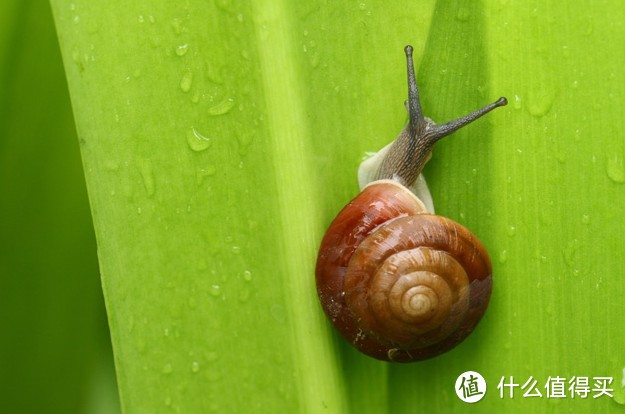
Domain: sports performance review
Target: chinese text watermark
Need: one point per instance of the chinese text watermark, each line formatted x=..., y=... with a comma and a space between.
x=471, y=387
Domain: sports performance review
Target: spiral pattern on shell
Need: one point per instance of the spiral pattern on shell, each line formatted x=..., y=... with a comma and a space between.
x=398, y=283
x=407, y=281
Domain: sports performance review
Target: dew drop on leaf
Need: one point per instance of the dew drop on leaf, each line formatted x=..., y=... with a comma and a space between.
x=215, y=290
x=244, y=295
x=221, y=108
x=195, y=367
x=186, y=81
x=540, y=102
x=167, y=369
x=196, y=141
x=247, y=275
x=503, y=256
x=463, y=14
x=278, y=313
x=147, y=175
x=182, y=50
x=615, y=169
x=203, y=172
x=178, y=26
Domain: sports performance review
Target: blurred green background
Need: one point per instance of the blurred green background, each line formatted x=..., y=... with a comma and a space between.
x=55, y=352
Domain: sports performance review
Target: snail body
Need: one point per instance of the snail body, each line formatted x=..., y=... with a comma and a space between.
x=400, y=283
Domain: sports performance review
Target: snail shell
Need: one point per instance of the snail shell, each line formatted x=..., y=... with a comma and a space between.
x=399, y=283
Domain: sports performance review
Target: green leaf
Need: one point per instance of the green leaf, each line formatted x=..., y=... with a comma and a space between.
x=55, y=351
x=220, y=139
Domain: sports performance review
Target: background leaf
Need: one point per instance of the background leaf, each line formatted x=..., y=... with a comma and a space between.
x=55, y=351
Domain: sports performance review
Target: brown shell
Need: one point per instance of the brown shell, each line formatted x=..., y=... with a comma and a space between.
x=399, y=284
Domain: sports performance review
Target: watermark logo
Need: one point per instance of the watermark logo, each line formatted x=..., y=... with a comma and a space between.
x=557, y=387
x=470, y=387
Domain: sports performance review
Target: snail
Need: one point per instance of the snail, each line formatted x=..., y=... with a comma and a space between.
x=400, y=283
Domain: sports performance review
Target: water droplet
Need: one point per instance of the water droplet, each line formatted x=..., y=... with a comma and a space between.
x=111, y=165
x=195, y=98
x=215, y=290
x=166, y=332
x=615, y=168
x=244, y=140
x=462, y=14
x=186, y=81
x=182, y=49
x=585, y=219
x=597, y=105
x=236, y=249
x=141, y=18
x=314, y=59
x=570, y=252
x=167, y=369
x=202, y=173
x=76, y=19
x=247, y=275
x=148, y=176
x=76, y=56
x=195, y=367
x=155, y=41
x=198, y=142
x=511, y=231
x=213, y=74
x=221, y=108
x=540, y=102
x=278, y=313
x=178, y=26
x=244, y=295
x=503, y=256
